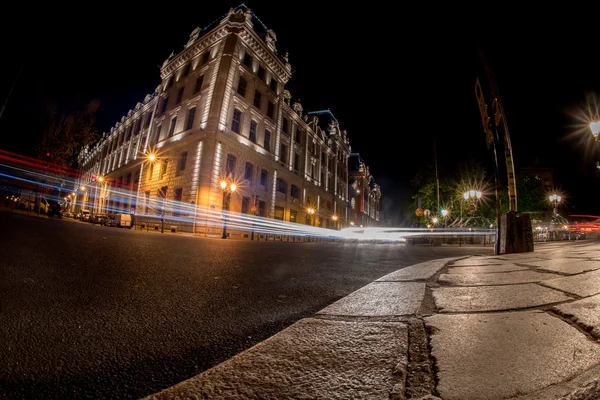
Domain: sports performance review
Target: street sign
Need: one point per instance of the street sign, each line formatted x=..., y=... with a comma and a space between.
x=419, y=212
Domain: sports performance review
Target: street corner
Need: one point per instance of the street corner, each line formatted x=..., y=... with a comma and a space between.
x=501, y=355
x=313, y=358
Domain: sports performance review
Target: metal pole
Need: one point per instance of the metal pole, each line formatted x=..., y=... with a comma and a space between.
x=224, y=207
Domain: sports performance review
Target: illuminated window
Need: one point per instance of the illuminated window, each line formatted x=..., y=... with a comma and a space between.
x=253, y=131
x=241, y=89
x=257, y=98
x=236, y=120
x=199, y=82
x=163, y=168
x=293, y=215
x=279, y=211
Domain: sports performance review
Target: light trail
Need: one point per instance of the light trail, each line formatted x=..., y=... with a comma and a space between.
x=201, y=216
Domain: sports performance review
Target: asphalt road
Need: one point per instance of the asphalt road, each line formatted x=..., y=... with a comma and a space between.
x=92, y=312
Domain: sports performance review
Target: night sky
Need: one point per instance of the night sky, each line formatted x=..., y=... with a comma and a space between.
x=398, y=79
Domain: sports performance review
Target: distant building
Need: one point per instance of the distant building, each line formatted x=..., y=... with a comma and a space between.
x=364, y=193
x=222, y=114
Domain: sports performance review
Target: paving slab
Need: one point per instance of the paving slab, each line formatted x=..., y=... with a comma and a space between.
x=486, y=269
x=584, y=285
x=424, y=270
x=519, y=256
x=585, y=312
x=467, y=262
x=497, y=356
x=494, y=298
x=569, y=266
x=504, y=278
x=380, y=299
x=312, y=359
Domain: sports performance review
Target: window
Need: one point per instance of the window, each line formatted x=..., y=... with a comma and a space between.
x=249, y=172
x=148, y=120
x=190, y=119
x=230, y=166
x=253, y=131
x=262, y=208
x=163, y=168
x=261, y=73
x=241, y=89
x=172, y=126
x=267, y=141
x=263, y=177
x=169, y=82
x=163, y=107
x=279, y=213
x=177, y=195
x=299, y=136
x=205, y=57
x=128, y=180
x=137, y=125
x=283, y=153
x=136, y=180
x=297, y=161
x=281, y=186
x=247, y=60
x=271, y=109
x=179, y=96
x=182, y=161
x=186, y=70
x=257, y=98
x=236, y=120
x=150, y=171
x=295, y=191
x=274, y=85
x=199, y=82
x=293, y=215
x=147, y=201
x=245, y=205
x=157, y=133
x=285, y=124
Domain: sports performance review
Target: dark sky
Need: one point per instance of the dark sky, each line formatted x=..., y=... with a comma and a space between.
x=397, y=78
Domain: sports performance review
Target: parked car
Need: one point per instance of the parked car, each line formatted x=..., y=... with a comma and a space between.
x=68, y=214
x=99, y=218
x=85, y=215
x=123, y=221
x=55, y=209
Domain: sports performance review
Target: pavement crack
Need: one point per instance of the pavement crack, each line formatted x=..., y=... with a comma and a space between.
x=589, y=331
x=420, y=378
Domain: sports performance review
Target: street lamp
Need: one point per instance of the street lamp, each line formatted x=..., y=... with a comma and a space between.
x=227, y=188
x=555, y=199
x=334, y=218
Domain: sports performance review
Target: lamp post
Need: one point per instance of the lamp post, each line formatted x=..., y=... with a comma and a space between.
x=555, y=199
x=227, y=188
x=334, y=218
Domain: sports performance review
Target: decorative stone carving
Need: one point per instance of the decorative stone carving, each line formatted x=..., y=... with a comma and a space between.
x=129, y=113
x=122, y=119
x=297, y=107
x=286, y=96
x=333, y=128
x=193, y=36
x=270, y=39
x=315, y=120
x=168, y=59
x=249, y=18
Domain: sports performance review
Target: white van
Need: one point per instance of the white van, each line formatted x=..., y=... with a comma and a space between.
x=85, y=215
x=123, y=220
x=27, y=202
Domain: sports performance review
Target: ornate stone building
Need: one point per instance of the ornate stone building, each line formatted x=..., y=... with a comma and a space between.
x=222, y=115
x=364, y=194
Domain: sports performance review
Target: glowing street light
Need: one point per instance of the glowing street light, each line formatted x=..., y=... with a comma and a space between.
x=444, y=212
x=555, y=199
x=100, y=179
x=334, y=217
x=151, y=157
x=595, y=128
x=227, y=188
x=435, y=220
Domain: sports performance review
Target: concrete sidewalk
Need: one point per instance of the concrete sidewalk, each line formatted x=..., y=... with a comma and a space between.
x=516, y=326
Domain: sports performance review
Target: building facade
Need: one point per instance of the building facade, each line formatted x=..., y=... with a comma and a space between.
x=220, y=116
x=364, y=194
